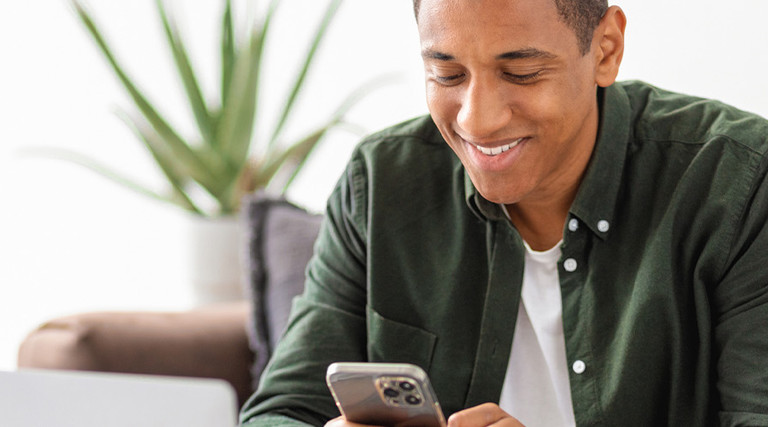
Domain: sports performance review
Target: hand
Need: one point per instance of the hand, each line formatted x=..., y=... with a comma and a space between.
x=342, y=422
x=486, y=414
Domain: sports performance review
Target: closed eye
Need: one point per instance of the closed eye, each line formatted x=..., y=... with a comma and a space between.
x=447, y=80
x=522, y=78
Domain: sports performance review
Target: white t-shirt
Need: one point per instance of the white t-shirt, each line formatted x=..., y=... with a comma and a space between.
x=536, y=387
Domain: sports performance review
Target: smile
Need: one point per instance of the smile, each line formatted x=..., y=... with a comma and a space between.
x=495, y=151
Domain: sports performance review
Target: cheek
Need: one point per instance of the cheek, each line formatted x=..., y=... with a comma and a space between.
x=442, y=103
x=576, y=103
x=551, y=110
x=432, y=99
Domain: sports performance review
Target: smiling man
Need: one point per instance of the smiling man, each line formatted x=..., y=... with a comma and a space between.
x=513, y=93
x=553, y=247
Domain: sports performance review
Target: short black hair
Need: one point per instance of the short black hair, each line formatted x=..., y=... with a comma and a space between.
x=582, y=16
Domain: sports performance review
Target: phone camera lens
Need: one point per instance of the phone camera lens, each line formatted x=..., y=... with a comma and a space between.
x=413, y=400
x=390, y=392
x=407, y=386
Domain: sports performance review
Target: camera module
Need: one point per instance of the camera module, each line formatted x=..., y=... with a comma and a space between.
x=390, y=392
x=413, y=400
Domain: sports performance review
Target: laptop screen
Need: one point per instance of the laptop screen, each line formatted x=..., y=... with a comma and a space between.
x=88, y=399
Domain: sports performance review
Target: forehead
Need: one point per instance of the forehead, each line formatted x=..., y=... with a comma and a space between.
x=448, y=25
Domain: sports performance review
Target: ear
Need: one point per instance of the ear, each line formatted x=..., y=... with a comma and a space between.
x=608, y=46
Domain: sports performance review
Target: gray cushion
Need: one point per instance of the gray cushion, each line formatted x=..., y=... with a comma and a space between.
x=280, y=239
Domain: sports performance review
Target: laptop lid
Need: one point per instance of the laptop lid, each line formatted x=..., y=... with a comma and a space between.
x=89, y=399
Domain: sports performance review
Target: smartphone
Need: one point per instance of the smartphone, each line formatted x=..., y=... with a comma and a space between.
x=384, y=394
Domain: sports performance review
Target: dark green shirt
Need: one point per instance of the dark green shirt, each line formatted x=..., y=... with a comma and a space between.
x=664, y=272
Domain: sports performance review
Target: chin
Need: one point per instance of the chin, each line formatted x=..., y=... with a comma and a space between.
x=495, y=196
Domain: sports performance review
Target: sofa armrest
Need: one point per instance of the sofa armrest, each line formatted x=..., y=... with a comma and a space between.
x=209, y=342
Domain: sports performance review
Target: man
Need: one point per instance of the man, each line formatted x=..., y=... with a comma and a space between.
x=586, y=252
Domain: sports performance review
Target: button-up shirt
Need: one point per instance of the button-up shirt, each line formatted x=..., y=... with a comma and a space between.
x=663, y=273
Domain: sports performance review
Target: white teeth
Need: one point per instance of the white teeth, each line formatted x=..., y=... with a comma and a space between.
x=497, y=150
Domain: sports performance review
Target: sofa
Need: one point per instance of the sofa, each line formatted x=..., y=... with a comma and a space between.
x=230, y=341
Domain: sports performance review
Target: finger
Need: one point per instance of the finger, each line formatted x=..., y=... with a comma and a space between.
x=483, y=415
x=342, y=422
x=336, y=422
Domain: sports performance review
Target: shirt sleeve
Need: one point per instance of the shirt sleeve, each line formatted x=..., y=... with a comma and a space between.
x=741, y=318
x=270, y=420
x=327, y=322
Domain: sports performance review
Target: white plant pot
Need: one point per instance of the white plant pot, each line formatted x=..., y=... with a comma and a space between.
x=214, y=259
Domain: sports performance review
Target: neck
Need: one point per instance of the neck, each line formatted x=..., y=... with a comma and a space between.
x=540, y=226
x=540, y=221
x=540, y=217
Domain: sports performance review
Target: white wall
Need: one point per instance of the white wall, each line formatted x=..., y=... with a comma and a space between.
x=70, y=241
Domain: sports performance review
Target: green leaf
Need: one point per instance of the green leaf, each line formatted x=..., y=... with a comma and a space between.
x=238, y=115
x=164, y=160
x=330, y=12
x=227, y=51
x=361, y=92
x=297, y=153
x=201, y=172
x=219, y=162
x=188, y=78
x=300, y=152
x=101, y=169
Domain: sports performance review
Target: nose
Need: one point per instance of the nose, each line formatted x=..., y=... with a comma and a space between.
x=484, y=110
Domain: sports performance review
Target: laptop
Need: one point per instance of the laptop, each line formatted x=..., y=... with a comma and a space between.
x=32, y=398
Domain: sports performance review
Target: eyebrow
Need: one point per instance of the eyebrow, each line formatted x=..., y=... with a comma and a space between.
x=433, y=54
x=527, y=53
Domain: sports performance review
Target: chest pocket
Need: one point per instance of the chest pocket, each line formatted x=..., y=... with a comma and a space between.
x=395, y=342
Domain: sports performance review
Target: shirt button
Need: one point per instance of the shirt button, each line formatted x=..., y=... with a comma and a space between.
x=579, y=367
x=573, y=224
x=570, y=265
x=603, y=225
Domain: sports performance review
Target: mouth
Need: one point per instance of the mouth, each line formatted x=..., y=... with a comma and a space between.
x=495, y=151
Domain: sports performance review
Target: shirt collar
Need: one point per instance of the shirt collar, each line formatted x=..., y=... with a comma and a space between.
x=596, y=199
x=597, y=195
x=478, y=204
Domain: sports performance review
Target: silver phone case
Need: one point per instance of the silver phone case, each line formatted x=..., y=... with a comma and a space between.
x=384, y=394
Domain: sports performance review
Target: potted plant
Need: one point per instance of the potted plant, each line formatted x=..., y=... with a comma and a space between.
x=223, y=162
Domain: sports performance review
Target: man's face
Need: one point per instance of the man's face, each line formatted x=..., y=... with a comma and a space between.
x=511, y=93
